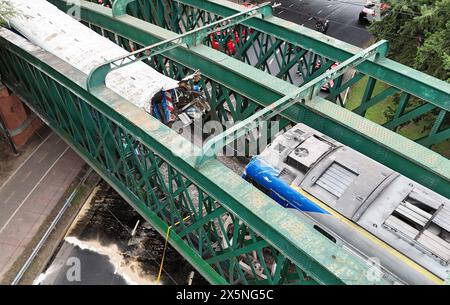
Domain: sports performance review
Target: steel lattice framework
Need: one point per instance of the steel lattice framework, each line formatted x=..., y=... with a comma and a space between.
x=288, y=45
x=231, y=228
x=237, y=90
x=222, y=225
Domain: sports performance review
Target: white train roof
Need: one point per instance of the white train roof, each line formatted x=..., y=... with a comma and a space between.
x=56, y=32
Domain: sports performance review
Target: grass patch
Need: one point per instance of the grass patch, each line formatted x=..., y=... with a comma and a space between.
x=375, y=113
x=411, y=131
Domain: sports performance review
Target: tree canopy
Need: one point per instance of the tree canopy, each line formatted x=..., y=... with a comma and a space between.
x=419, y=35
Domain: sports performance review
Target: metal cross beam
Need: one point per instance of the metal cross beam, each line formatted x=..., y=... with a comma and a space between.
x=192, y=38
x=307, y=92
x=419, y=84
x=262, y=89
x=54, y=89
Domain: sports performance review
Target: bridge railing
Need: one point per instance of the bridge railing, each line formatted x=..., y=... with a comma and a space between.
x=227, y=229
x=399, y=98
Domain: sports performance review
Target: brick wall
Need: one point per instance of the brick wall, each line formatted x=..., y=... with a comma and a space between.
x=19, y=123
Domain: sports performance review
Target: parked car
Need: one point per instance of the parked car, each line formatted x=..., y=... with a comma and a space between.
x=368, y=13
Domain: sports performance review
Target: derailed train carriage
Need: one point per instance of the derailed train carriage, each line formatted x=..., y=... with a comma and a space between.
x=358, y=203
x=56, y=32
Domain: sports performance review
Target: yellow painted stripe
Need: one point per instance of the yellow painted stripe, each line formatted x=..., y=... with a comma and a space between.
x=371, y=237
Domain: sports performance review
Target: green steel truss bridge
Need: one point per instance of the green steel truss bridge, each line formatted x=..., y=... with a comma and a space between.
x=195, y=197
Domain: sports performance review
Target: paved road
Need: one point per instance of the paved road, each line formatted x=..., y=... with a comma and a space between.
x=343, y=16
x=30, y=194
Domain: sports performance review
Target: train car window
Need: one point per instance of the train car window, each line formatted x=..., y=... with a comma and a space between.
x=324, y=233
x=336, y=179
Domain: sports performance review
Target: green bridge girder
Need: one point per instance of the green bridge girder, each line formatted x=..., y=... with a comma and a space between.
x=57, y=93
x=253, y=88
x=168, y=189
x=418, y=95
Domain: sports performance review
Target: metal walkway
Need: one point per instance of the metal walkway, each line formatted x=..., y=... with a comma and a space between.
x=224, y=227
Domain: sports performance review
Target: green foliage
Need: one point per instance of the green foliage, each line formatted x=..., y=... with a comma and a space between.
x=419, y=35
x=6, y=11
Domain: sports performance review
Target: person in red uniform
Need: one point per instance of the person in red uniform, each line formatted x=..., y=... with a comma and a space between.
x=106, y=3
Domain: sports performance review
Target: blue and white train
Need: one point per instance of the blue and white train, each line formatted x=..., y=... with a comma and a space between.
x=358, y=203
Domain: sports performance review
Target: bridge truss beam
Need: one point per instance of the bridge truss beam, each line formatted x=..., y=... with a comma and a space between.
x=306, y=92
x=97, y=76
x=223, y=226
x=288, y=45
x=412, y=81
x=254, y=89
